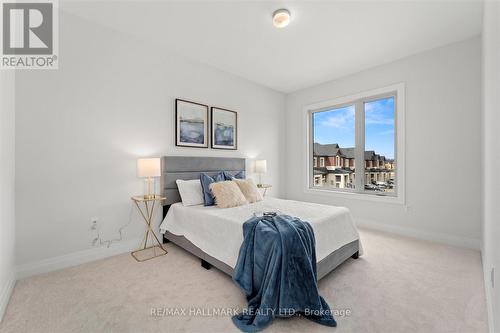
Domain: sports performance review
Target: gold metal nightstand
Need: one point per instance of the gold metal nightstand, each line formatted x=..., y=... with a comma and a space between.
x=148, y=213
x=265, y=187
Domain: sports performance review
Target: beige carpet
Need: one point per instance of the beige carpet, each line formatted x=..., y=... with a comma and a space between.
x=400, y=285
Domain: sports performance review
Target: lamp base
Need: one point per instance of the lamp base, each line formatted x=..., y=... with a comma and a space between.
x=149, y=194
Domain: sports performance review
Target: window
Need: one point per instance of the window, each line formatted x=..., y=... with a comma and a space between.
x=362, y=130
x=322, y=162
x=315, y=161
x=380, y=119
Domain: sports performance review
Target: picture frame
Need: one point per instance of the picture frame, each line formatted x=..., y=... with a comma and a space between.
x=191, y=124
x=224, y=128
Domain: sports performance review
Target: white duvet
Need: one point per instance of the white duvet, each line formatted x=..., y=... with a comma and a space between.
x=219, y=232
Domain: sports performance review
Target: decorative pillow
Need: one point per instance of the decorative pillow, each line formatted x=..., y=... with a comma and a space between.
x=239, y=175
x=206, y=180
x=227, y=194
x=190, y=191
x=249, y=190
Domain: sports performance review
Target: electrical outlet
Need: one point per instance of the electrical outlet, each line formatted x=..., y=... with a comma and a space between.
x=493, y=277
x=94, y=221
x=94, y=230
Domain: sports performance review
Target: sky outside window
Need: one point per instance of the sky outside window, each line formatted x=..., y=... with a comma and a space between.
x=379, y=126
x=335, y=126
x=338, y=126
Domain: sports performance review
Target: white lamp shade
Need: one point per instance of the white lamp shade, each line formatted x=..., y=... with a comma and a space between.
x=148, y=167
x=261, y=166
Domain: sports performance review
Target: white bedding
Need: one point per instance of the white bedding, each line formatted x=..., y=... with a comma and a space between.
x=219, y=232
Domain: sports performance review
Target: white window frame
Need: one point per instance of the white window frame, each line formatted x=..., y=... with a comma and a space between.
x=321, y=162
x=399, y=197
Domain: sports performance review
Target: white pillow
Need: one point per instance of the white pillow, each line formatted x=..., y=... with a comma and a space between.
x=190, y=191
x=249, y=190
x=227, y=194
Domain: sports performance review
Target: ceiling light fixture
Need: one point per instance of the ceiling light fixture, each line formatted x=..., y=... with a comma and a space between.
x=281, y=18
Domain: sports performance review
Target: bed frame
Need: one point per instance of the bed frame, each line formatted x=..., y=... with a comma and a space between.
x=190, y=167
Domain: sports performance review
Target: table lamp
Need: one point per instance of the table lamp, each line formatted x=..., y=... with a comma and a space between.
x=148, y=168
x=260, y=168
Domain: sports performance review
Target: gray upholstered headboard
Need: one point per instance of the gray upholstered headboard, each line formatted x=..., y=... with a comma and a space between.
x=190, y=167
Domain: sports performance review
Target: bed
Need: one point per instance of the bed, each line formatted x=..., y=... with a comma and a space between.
x=215, y=235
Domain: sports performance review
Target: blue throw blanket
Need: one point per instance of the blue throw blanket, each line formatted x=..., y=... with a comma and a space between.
x=276, y=270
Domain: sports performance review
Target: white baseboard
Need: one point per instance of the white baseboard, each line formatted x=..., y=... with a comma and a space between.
x=488, y=291
x=5, y=293
x=464, y=242
x=75, y=258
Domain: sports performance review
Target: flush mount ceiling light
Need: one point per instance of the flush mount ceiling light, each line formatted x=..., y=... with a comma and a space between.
x=281, y=18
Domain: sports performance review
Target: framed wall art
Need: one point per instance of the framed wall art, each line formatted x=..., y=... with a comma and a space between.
x=191, y=124
x=224, y=125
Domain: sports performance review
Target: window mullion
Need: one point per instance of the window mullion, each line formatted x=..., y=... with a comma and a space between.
x=359, y=150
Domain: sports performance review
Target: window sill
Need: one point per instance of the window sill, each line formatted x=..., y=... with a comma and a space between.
x=357, y=196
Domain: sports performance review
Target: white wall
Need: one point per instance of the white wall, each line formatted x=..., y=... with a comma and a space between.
x=443, y=145
x=81, y=128
x=491, y=158
x=7, y=173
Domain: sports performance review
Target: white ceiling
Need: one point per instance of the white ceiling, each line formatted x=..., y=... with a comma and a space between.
x=325, y=40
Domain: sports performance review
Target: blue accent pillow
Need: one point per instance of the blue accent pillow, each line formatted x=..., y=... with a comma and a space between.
x=205, y=181
x=239, y=175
